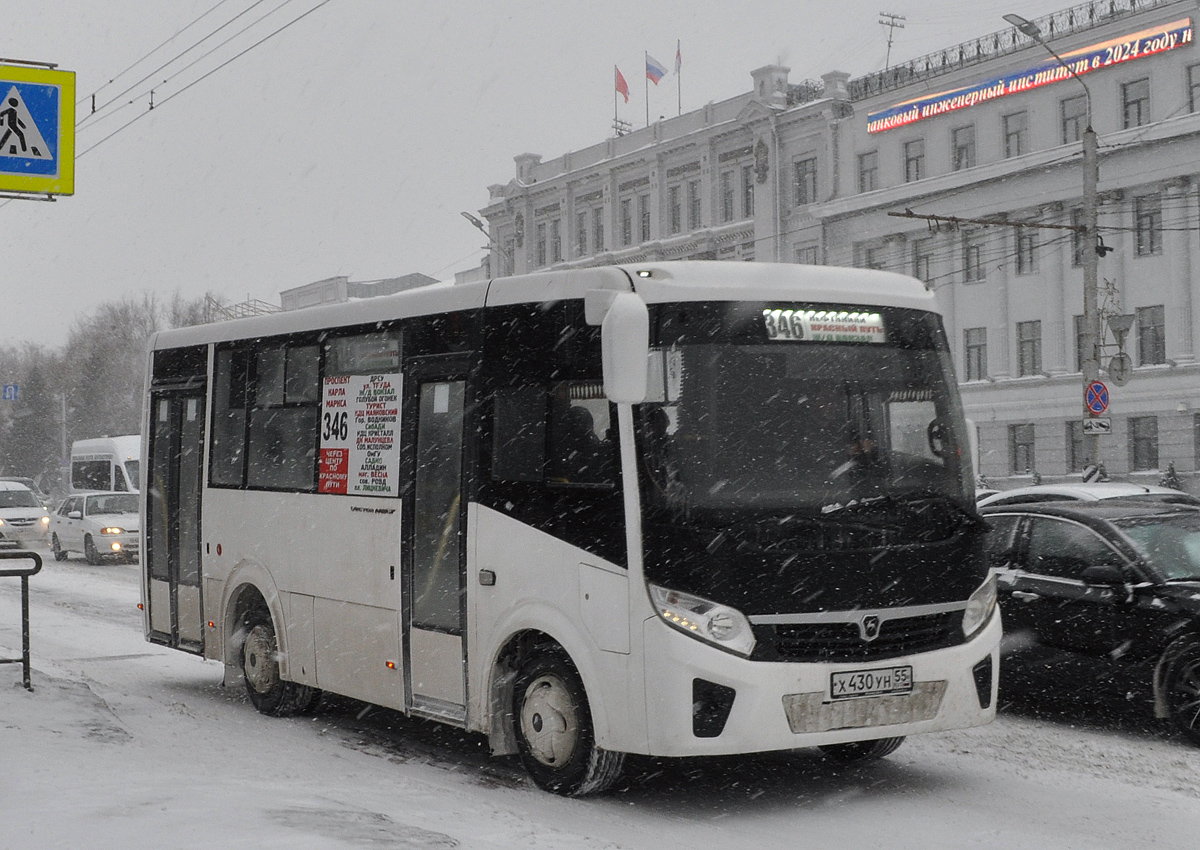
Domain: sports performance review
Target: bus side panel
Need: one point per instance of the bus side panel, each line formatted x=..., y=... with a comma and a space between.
x=543, y=584
x=340, y=556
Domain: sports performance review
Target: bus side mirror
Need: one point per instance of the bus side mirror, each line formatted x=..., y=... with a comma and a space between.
x=625, y=348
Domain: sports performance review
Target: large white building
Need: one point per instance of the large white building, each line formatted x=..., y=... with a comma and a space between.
x=990, y=129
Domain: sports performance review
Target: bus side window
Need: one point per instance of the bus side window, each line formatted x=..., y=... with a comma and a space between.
x=520, y=434
x=582, y=439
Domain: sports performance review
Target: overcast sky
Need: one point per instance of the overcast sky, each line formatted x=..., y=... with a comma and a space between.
x=349, y=143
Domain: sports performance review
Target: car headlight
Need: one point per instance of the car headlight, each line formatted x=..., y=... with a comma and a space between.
x=709, y=621
x=112, y=529
x=980, y=606
x=45, y=520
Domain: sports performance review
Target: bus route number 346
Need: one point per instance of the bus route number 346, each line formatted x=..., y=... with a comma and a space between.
x=336, y=425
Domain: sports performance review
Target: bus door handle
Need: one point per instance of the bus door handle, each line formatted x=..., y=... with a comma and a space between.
x=487, y=578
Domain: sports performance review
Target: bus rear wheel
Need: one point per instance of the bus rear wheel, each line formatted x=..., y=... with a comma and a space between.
x=260, y=668
x=862, y=750
x=554, y=729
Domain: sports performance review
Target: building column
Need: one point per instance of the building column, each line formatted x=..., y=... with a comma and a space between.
x=1179, y=243
x=1000, y=357
x=1056, y=352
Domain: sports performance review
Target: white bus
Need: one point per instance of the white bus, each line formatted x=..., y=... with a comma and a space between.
x=676, y=509
x=106, y=463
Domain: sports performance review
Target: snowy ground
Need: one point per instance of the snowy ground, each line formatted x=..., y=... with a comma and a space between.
x=123, y=744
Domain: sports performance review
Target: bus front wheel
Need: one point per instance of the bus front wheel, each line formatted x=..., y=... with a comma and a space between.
x=260, y=668
x=862, y=750
x=554, y=729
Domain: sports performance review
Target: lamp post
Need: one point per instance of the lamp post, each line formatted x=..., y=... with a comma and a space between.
x=1090, y=365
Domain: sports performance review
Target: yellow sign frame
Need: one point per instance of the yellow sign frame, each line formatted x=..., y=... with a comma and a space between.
x=63, y=181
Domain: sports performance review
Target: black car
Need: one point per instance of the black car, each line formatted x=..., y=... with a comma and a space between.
x=1116, y=582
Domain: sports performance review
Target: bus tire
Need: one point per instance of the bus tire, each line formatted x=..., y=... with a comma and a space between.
x=554, y=731
x=269, y=693
x=89, y=551
x=60, y=554
x=862, y=750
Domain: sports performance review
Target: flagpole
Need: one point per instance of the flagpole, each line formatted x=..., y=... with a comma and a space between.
x=646, y=82
x=678, y=81
x=616, y=71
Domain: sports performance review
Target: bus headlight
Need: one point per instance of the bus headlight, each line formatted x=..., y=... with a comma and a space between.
x=717, y=624
x=980, y=607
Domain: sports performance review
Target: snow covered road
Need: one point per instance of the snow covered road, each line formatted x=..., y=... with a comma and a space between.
x=124, y=744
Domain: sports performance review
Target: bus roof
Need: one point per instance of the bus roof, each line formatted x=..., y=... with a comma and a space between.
x=655, y=282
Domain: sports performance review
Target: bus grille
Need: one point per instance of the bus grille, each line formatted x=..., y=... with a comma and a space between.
x=844, y=642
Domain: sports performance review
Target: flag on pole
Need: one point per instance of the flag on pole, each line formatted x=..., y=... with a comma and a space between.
x=655, y=70
x=678, y=58
x=622, y=86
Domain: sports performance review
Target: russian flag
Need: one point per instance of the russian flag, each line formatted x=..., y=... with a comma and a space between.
x=655, y=70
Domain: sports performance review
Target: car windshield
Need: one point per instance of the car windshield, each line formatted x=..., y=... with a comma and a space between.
x=18, y=499
x=801, y=425
x=1171, y=542
x=121, y=503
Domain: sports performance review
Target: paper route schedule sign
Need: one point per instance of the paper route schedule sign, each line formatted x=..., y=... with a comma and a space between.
x=360, y=435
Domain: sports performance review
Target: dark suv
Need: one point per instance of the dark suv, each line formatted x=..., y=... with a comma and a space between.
x=1116, y=582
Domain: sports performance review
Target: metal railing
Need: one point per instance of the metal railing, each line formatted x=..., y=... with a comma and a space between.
x=1085, y=16
x=24, y=573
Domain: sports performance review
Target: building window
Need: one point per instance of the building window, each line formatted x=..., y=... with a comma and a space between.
x=1074, y=118
x=1075, y=456
x=1196, y=439
x=598, y=229
x=975, y=354
x=1143, y=443
x=914, y=160
x=693, y=199
x=806, y=255
x=972, y=258
x=627, y=221
x=963, y=141
x=868, y=171
x=1152, y=336
x=581, y=233
x=644, y=217
x=869, y=258
x=1029, y=348
x=726, y=196
x=1016, y=134
x=1194, y=88
x=555, y=241
x=747, y=191
x=1079, y=352
x=922, y=256
x=675, y=208
x=1077, y=237
x=1026, y=241
x=1147, y=222
x=1135, y=101
x=541, y=244
x=804, y=176
x=507, y=259
x=1020, y=448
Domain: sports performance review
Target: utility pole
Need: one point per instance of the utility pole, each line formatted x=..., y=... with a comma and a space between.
x=893, y=24
x=1091, y=338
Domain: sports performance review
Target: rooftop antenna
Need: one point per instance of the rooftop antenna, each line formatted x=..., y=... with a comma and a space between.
x=893, y=23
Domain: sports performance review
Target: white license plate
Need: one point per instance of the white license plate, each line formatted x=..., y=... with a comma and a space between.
x=871, y=683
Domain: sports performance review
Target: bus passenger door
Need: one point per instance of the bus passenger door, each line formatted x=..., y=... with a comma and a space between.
x=172, y=556
x=435, y=601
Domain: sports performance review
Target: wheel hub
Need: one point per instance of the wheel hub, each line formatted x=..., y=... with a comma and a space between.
x=258, y=659
x=548, y=721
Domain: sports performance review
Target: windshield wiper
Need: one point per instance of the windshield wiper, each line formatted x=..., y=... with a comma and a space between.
x=905, y=507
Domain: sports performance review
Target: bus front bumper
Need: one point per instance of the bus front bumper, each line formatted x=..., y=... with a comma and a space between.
x=703, y=701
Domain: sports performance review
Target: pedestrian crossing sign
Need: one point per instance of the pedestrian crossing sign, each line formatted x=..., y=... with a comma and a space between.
x=37, y=130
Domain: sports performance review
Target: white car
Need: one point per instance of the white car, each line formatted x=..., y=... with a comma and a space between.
x=23, y=519
x=99, y=525
x=1088, y=493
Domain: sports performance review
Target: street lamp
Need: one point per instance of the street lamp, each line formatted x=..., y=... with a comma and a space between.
x=1091, y=256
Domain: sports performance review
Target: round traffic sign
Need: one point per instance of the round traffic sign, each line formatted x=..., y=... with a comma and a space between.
x=1096, y=397
x=1119, y=368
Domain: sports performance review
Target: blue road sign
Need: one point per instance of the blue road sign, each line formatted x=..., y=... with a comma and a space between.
x=37, y=130
x=11, y=391
x=1096, y=397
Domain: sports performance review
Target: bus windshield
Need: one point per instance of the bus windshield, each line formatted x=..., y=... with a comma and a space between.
x=807, y=428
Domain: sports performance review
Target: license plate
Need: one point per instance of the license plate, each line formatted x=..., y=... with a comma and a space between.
x=870, y=683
